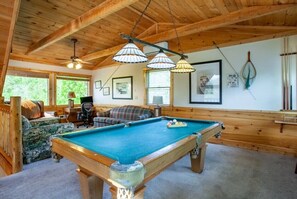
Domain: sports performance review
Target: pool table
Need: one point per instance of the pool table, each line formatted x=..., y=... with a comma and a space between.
x=126, y=156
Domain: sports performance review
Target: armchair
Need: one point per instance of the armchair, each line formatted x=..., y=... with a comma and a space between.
x=37, y=138
x=86, y=114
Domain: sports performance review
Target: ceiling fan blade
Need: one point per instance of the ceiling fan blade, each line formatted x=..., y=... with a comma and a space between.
x=61, y=59
x=82, y=61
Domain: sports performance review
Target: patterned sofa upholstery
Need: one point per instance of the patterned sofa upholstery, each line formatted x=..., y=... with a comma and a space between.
x=37, y=136
x=121, y=114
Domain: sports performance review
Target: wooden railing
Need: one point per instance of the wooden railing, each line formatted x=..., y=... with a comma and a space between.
x=11, y=159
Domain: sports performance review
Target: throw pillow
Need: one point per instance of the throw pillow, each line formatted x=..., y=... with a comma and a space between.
x=30, y=109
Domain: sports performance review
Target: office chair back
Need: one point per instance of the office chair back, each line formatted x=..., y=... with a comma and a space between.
x=86, y=114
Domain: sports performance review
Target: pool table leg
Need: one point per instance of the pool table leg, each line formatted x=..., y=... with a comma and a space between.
x=197, y=162
x=91, y=186
x=139, y=193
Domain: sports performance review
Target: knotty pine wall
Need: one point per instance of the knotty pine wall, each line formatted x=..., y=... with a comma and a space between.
x=253, y=130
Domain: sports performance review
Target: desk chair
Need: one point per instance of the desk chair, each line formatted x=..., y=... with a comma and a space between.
x=85, y=115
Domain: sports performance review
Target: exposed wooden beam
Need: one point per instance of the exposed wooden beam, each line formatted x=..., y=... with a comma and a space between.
x=99, y=12
x=5, y=44
x=204, y=25
x=26, y=58
x=229, y=39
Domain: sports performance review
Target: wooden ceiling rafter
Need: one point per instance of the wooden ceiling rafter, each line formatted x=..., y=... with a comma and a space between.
x=246, y=37
x=101, y=11
x=207, y=24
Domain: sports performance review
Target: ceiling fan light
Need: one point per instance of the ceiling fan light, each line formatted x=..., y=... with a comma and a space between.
x=70, y=65
x=182, y=66
x=78, y=65
x=130, y=53
x=161, y=61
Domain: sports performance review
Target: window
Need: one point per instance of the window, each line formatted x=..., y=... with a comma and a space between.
x=65, y=84
x=158, y=84
x=28, y=85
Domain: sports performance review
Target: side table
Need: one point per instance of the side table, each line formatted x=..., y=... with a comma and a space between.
x=72, y=113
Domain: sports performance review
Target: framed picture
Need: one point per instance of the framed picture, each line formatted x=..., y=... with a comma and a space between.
x=206, y=83
x=98, y=84
x=106, y=91
x=122, y=87
x=232, y=81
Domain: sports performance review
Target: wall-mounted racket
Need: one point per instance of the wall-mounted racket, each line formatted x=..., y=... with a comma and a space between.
x=248, y=72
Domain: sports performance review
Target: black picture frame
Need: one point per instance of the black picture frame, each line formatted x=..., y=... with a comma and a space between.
x=98, y=84
x=106, y=91
x=122, y=88
x=206, y=83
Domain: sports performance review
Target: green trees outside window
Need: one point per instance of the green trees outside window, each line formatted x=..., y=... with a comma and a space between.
x=33, y=85
x=80, y=87
x=33, y=88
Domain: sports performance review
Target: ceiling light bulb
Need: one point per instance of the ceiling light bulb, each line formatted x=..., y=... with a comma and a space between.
x=78, y=65
x=70, y=65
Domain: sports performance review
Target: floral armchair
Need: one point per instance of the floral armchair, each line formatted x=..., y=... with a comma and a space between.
x=37, y=137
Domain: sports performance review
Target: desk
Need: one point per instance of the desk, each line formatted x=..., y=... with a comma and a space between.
x=126, y=156
x=72, y=113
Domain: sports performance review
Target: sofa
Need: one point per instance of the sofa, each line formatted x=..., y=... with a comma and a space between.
x=121, y=114
x=37, y=130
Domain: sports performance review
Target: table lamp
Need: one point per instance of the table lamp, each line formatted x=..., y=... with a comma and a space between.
x=157, y=100
x=71, y=95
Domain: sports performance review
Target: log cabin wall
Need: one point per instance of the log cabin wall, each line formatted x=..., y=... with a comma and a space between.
x=254, y=130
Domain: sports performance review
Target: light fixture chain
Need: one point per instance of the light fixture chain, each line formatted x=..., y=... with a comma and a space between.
x=132, y=32
x=74, y=49
x=172, y=18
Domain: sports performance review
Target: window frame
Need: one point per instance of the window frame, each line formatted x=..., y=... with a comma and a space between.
x=53, y=76
x=171, y=89
x=24, y=72
x=77, y=77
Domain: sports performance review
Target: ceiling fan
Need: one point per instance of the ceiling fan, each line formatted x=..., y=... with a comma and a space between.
x=75, y=62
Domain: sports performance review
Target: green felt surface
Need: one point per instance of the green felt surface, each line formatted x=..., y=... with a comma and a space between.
x=139, y=139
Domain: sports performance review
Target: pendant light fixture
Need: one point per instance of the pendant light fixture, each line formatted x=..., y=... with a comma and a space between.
x=130, y=53
x=182, y=66
x=161, y=61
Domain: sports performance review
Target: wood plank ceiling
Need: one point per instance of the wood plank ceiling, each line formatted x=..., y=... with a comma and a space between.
x=9, y=10
x=45, y=27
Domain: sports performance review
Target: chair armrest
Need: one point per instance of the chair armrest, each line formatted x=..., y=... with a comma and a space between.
x=42, y=133
x=103, y=114
x=44, y=121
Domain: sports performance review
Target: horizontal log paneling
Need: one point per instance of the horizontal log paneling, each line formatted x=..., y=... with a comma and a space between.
x=254, y=130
